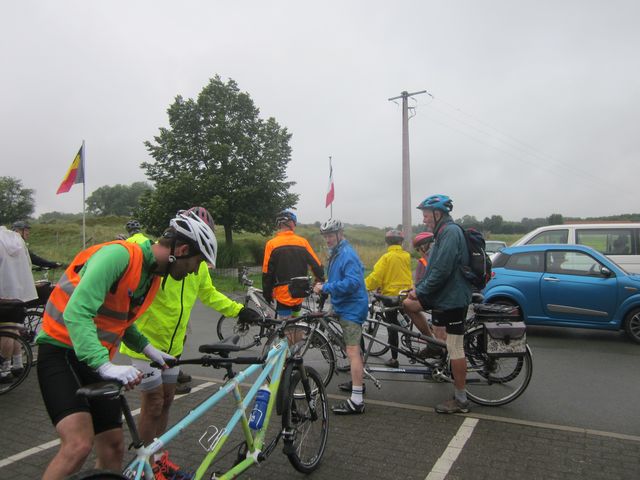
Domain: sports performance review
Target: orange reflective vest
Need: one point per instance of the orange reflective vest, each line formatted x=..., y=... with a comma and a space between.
x=116, y=313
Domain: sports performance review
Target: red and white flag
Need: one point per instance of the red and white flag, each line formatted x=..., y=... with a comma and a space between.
x=331, y=190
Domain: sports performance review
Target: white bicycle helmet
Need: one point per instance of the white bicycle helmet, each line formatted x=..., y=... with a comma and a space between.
x=191, y=227
x=331, y=226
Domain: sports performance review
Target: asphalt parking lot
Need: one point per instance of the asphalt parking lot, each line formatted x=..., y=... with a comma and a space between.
x=391, y=440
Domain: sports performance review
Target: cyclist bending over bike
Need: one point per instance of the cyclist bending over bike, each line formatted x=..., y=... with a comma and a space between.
x=445, y=290
x=94, y=305
x=165, y=325
x=392, y=274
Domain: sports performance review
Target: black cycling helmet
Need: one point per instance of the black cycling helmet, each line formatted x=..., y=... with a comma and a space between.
x=133, y=226
x=20, y=225
x=286, y=216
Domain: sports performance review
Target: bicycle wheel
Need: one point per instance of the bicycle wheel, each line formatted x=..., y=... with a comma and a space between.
x=228, y=327
x=492, y=380
x=13, y=345
x=317, y=351
x=334, y=334
x=97, y=475
x=380, y=333
x=32, y=324
x=305, y=421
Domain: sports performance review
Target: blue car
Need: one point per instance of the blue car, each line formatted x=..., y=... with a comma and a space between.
x=566, y=286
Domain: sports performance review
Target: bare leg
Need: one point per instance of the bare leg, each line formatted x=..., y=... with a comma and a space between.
x=440, y=333
x=357, y=367
x=76, y=440
x=151, y=407
x=417, y=316
x=110, y=449
x=459, y=369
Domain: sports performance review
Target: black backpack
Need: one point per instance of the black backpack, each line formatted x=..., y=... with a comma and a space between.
x=478, y=271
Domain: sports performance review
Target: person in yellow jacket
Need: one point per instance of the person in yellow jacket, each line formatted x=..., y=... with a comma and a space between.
x=390, y=275
x=164, y=324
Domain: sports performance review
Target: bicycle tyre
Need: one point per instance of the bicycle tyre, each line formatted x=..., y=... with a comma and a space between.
x=318, y=353
x=228, y=327
x=494, y=381
x=32, y=324
x=335, y=336
x=377, y=349
x=306, y=437
x=97, y=475
x=14, y=380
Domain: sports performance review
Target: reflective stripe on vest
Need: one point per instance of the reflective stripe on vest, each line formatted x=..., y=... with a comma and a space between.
x=115, y=315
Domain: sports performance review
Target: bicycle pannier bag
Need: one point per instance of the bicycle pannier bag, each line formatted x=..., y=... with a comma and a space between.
x=300, y=287
x=505, y=339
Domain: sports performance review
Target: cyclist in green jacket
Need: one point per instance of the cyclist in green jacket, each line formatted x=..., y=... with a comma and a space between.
x=392, y=274
x=164, y=324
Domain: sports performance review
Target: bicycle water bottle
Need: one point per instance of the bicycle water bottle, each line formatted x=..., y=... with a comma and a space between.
x=259, y=408
x=403, y=321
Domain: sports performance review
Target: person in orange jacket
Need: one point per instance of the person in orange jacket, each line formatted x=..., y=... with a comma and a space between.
x=286, y=256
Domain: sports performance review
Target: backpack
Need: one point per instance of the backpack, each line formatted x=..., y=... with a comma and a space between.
x=478, y=271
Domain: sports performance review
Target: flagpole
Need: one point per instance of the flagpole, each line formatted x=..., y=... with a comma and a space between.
x=84, y=172
x=330, y=169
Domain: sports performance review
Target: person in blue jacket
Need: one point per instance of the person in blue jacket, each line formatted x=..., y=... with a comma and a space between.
x=345, y=284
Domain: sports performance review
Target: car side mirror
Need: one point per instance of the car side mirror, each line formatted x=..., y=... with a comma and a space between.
x=606, y=272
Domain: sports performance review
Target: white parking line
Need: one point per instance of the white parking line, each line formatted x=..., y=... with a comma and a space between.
x=46, y=446
x=450, y=454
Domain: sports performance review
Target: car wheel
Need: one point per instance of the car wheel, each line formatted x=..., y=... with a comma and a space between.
x=632, y=324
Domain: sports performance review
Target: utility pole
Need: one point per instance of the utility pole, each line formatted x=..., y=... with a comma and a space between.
x=406, y=167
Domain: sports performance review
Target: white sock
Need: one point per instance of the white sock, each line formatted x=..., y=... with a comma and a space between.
x=17, y=361
x=356, y=395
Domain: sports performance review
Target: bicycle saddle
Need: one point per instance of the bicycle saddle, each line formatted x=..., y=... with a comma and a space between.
x=387, y=301
x=225, y=346
x=100, y=389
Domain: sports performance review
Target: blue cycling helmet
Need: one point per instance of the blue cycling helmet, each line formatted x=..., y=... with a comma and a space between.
x=436, y=202
x=286, y=216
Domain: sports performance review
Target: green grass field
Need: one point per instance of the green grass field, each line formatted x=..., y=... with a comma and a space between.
x=61, y=241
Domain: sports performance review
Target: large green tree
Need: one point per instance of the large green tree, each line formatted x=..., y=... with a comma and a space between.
x=16, y=202
x=219, y=154
x=119, y=199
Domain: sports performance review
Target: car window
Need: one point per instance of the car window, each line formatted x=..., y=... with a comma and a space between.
x=614, y=241
x=572, y=263
x=526, y=262
x=552, y=236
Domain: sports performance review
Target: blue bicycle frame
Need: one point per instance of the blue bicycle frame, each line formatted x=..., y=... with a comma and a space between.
x=273, y=368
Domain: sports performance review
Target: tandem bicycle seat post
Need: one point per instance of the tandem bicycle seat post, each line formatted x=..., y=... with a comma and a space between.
x=136, y=442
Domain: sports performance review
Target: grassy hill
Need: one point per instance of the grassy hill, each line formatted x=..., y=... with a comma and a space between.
x=62, y=240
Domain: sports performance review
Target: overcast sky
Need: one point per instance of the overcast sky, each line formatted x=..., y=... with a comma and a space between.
x=534, y=106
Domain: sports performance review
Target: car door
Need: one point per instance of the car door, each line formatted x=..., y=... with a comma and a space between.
x=573, y=289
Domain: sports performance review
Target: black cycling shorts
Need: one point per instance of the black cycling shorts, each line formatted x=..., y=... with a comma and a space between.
x=12, y=312
x=60, y=374
x=452, y=319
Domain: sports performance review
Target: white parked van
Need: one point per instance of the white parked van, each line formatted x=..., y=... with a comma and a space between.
x=618, y=241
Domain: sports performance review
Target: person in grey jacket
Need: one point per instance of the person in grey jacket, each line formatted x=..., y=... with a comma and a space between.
x=445, y=291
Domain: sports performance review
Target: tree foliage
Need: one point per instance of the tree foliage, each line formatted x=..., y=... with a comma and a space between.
x=219, y=154
x=119, y=199
x=16, y=202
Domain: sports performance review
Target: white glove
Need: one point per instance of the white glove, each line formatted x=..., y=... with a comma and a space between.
x=156, y=355
x=123, y=373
